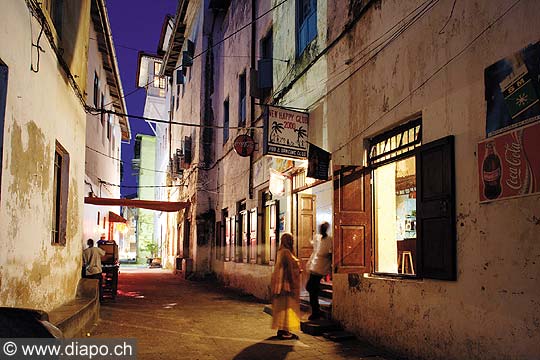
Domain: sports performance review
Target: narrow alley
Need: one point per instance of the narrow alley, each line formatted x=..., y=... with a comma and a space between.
x=173, y=318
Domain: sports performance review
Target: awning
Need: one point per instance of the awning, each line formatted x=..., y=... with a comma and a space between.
x=142, y=204
x=114, y=217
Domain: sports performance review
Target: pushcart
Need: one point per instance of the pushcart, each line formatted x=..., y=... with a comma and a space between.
x=110, y=266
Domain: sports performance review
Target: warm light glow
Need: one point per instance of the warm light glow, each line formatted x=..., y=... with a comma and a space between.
x=121, y=227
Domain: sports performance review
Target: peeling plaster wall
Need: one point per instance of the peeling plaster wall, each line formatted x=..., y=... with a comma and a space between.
x=492, y=310
x=41, y=108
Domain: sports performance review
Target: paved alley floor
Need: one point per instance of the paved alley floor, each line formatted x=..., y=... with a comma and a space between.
x=173, y=318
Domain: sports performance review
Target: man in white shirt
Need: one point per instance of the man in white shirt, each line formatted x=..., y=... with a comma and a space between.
x=319, y=265
x=92, y=263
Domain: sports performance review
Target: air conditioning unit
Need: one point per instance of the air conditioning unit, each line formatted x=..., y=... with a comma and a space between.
x=187, y=55
x=187, y=154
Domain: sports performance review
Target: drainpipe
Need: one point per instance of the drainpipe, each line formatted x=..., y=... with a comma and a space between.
x=252, y=103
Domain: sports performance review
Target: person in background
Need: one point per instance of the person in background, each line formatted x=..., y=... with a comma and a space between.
x=92, y=264
x=319, y=265
x=102, y=240
x=286, y=290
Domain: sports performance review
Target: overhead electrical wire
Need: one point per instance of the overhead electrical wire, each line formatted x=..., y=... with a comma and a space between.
x=426, y=6
x=95, y=111
x=490, y=25
x=243, y=27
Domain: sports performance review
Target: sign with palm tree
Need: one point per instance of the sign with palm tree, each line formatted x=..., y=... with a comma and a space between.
x=286, y=133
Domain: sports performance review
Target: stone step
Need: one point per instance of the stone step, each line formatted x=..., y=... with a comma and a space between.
x=326, y=294
x=319, y=327
x=339, y=336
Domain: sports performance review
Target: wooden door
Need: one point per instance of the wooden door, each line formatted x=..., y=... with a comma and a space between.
x=271, y=231
x=227, y=239
x=306, y=227
x=233, y=240
x=244, y=234
x=352, y=219
x=253, y=235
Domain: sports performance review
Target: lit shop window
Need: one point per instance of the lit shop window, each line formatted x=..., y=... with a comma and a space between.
x=394, y=199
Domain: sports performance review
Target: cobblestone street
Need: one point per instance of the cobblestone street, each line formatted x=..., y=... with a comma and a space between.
x=174, y=318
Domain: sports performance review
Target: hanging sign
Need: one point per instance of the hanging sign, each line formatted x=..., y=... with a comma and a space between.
x=509, y=164
x=513, y=90
x=318, y=163
x=244, y=145
x=286, y=133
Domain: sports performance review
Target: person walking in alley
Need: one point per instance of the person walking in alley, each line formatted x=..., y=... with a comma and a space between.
x=319, y=265
x=92, y=264
x=286, y=290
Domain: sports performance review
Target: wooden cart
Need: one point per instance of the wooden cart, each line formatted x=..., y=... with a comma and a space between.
x=110, y=265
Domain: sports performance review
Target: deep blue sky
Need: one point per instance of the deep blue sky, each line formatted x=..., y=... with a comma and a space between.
x=136, y=24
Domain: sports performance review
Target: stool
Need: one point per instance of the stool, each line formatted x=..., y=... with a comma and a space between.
x=406, y=261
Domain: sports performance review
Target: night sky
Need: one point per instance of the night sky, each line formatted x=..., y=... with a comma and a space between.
x=136, y=25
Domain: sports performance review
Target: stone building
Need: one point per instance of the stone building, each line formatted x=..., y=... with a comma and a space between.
x=104, y=131
x=428, y=109
x=43, y=62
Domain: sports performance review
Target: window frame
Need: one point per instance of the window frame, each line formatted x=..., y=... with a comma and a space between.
x=392, y=154
x=60, y=195
x=96, y=90
x=4, y=78
x=226, y=120
x=304, y=21
x=242, y=99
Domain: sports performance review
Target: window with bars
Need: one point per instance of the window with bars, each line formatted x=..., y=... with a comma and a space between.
x=395, y=143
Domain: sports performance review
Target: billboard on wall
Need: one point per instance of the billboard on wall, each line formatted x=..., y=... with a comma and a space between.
x=286, y=133
x=512, y=88
x=509, y=164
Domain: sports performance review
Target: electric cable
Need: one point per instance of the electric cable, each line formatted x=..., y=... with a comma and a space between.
x=216, y=44
x=354, y=137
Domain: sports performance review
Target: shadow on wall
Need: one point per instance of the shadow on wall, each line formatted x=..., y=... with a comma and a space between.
x=265, y=350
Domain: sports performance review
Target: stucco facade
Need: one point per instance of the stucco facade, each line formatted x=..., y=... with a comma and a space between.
x=436, y=69
x=104, y=132
x=371, y=66
x=42, y=108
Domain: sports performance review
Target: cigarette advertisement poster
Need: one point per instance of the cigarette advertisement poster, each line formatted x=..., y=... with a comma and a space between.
x=512, y=91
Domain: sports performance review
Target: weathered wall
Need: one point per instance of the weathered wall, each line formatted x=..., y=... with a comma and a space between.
x=491, y=311
x=232, y=58
x=41, y=108
x=100, y=165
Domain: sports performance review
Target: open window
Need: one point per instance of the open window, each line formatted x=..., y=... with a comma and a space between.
x=397, y=216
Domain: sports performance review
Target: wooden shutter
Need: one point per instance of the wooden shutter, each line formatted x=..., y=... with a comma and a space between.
x=244, y=234
x=253, y=235
x=233, y=238
x=352, y=219
x=218, y=245
x=64, y=194
x=273, y=231
x=227, y=239
x=436, y=210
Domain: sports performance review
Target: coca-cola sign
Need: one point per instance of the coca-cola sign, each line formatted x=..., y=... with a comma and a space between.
x=509, y=164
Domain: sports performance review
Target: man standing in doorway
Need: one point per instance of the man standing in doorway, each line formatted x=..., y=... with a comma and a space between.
x=319, y=265
x=92, y=263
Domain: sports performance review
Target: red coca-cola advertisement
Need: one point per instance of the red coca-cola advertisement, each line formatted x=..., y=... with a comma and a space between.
x=509, y=164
